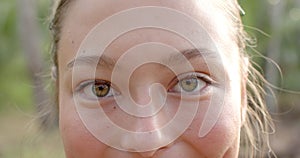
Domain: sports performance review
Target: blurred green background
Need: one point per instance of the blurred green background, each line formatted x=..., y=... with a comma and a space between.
x=274, y=24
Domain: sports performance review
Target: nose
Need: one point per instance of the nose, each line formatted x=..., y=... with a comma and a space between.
x=145, y=97
x=148, y=105
x=148, y=153
x=151, y=153
x=146, y=136
x=160, y=144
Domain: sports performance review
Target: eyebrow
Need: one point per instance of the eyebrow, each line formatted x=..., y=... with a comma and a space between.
x=103, y=61
x=108, y=62
x=189, y=54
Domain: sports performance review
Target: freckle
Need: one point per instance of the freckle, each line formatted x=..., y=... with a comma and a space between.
x=114, y=107
x=72, y=42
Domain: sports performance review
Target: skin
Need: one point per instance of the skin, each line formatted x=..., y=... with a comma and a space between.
x=221, y=141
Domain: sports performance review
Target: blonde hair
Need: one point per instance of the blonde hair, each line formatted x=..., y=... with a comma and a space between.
x=258, y=123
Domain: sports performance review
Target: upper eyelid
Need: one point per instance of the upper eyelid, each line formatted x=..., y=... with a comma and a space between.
x=85, y=83
x=189, y=74
x=206, y=76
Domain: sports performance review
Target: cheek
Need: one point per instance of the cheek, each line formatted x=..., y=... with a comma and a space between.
x=78, y=142
x=222, y=140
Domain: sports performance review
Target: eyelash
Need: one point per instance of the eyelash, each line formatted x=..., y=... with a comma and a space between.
x=194, y=75
x=175, y=82
x=89, y=83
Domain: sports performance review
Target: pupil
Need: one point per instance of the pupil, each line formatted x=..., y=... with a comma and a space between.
x=101, y=89
x=189, y=84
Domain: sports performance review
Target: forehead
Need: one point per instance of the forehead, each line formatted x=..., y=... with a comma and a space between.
x=82, y=16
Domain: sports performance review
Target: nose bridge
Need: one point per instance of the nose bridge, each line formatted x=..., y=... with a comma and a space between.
x=153, y=99
x=140, y=92
x=139, y=87
x=141, y=80
x=145, y=90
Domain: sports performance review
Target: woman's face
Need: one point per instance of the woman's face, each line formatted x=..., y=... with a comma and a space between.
x=204, y=85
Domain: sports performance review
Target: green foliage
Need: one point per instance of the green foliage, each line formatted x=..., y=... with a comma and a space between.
x=15, y=82
x=21, y=137
x=16, y=88
x=8, y=34
x=13, y=89
x=257, y=24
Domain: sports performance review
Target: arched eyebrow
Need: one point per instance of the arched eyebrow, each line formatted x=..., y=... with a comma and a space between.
x=189, y=54
x=103, y=61
x=107, y=62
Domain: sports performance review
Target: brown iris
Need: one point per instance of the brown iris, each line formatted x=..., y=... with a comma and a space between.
x=101, y=89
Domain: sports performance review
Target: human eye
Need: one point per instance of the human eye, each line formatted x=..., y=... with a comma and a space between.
x=96, y=89
x=191, y=83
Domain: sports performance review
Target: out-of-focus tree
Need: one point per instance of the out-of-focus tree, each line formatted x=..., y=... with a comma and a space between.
x=276, y=14
x=30, y=39
x=22, y=55
x=14, y=89
x=275, y=24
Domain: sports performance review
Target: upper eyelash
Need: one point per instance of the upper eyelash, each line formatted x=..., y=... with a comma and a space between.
x=82, y=85
x=198, y=75
x=86, y=83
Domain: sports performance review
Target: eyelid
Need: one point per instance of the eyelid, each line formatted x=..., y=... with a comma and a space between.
x=84, y=84
x=205, y=77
